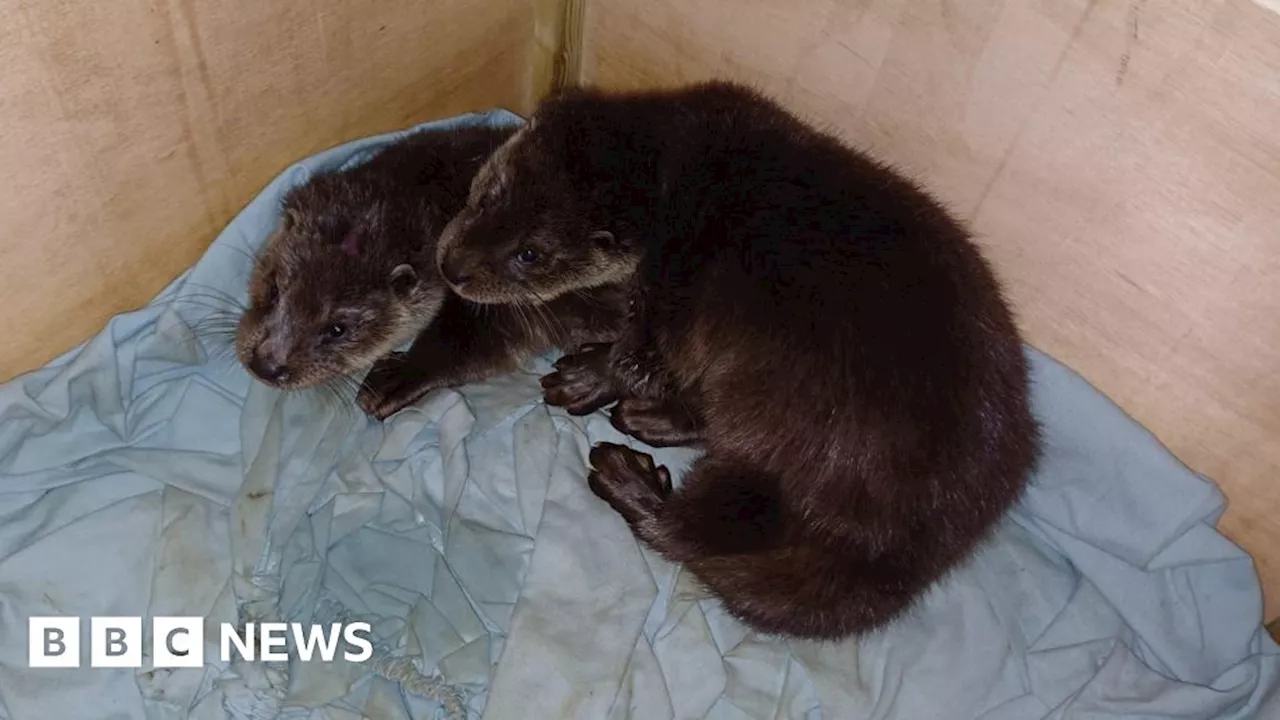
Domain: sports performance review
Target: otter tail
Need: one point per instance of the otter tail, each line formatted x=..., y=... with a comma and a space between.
x=807, y=592
x=774, y=571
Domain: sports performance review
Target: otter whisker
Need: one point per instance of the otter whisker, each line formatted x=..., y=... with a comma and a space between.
x=210, y=288
x=213, y=293
x=560, y=331
x=218, y=320
x=523, y=313
x=219, y=345
x=342, y=390
x=544, y=324
x=221, y=351
x=214, y=326
x=555, y=326
x=223, y=354
x=226, y=336
x=588, y=298
x=216, y=315
x=220, y=316
x=346, y=386
x=330, y=397
x=250, y=256
x=520, y=318
x=211, y=306
x=214, y=330
x=220, y=312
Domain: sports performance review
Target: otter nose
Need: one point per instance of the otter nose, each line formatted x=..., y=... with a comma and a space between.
x=268, y=370
x=454, y=270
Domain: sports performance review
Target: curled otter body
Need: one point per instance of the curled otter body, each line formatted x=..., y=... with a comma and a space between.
x=350, y=275
x=818, y=324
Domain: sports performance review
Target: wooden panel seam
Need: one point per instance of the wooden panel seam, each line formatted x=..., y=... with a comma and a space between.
x=556, y=56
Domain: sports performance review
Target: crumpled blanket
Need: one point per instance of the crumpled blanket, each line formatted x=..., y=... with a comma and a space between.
x=145, y=474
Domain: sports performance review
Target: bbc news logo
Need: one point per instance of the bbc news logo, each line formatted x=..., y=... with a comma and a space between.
x=178, y=642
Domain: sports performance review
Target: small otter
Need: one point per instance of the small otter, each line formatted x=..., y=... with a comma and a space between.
x=350, y=275
x=818, y=324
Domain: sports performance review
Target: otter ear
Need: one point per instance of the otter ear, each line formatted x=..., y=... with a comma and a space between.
x=403, y=280
x=603, y=238
x=289, y=219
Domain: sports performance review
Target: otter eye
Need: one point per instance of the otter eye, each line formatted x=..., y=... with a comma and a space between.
x=335, y=331
x=273, y=292
x=527, y=255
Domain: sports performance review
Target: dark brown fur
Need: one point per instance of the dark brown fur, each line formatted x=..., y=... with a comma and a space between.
x=351, y=275
x=821, y=326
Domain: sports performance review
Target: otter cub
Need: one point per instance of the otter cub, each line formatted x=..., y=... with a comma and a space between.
x=824, y=329
x=350, y=275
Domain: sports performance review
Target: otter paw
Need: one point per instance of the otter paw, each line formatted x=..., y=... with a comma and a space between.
x=581, y=382
x=655, y=422
x=391, y=385
x=636, y=371
x=628, y=480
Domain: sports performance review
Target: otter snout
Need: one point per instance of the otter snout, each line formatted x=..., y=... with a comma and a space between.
x=456, y=269
x=266, y=356
x=267, y=368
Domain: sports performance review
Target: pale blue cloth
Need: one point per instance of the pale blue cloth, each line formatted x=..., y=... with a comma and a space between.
x=145, y=474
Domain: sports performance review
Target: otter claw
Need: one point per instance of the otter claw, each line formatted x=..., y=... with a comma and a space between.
x=580, y=355
x=658, y=423
x=581, y=382
x=628, y=480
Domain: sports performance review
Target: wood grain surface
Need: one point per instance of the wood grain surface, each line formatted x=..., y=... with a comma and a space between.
x=1120, y=162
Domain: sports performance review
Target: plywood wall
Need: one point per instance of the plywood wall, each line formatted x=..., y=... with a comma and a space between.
x=131, y=131
x=1120, y=160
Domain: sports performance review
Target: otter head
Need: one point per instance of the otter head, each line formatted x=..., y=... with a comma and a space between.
x=530, y=231
x=332, y=291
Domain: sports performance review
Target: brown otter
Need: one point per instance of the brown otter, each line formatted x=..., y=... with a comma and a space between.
x=350, y=275
x=822, y=327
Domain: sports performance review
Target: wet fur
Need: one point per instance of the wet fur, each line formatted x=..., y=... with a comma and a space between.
x=824, y=329
x=340, y=257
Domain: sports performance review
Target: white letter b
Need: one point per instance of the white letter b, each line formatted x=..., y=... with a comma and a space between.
x=53, y=642
x=115, y=642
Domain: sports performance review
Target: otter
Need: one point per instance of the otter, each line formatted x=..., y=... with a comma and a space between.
x=350, y=275
x=818, y=325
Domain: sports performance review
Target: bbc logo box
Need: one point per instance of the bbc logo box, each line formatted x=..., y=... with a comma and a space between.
x=115, y=642
x=53, y=642
x=178, y=642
